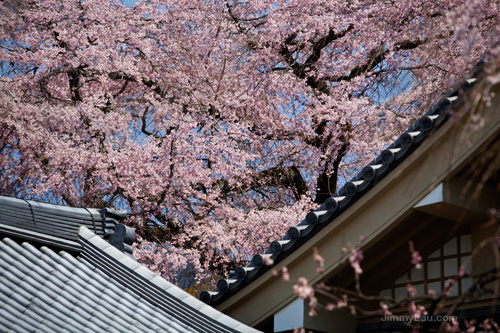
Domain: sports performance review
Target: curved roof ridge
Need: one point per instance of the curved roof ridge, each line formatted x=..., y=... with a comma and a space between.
x=57, y=225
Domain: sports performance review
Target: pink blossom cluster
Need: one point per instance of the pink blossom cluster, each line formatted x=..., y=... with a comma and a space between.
x=303, y=289
x=214, y=123
x=416, y=258
x=415, y=310
x=320, y=261
x=356, y=255
x=355, y=260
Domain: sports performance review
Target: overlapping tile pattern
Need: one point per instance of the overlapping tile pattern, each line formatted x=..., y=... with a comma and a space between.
x=57, y=274
x=57, y=226
x=102, y=290
x=366, y=179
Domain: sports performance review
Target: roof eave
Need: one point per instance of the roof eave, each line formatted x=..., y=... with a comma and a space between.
x=374, y=214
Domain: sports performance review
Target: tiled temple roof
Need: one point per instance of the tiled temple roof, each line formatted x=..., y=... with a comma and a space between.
x=56, y=276
x=334, y=206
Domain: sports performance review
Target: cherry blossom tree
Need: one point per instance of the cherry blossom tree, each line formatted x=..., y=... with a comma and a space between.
x=217, y=124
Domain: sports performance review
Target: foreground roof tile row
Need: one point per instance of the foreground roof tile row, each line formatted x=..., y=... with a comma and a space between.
x=94, y=287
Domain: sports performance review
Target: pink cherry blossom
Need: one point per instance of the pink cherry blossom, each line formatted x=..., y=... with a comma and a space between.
x=219, y=124
x=416, y=258
x=461, y=271
x=355, y=260
x=285, y=275
x=303, y=289
x=320, y=261
x=385, y=310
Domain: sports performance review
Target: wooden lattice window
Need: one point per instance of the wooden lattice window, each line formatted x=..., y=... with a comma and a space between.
x=436, y=269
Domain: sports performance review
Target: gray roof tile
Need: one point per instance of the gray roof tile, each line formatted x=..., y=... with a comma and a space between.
x=102, y=289
x=45, y=291
x=57, y=226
